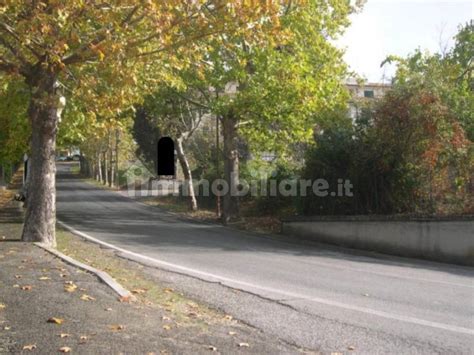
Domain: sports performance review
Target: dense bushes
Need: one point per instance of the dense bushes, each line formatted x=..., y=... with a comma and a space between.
x=408, y=154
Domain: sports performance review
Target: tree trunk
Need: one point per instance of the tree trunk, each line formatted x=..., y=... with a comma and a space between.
x=40, y=217
x=188, y=178
x=112, y=169
x=230, y=210
x=117, y=141
x=106, y=169
x=99, y=167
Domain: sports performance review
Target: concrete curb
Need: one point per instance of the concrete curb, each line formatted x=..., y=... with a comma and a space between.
x=103, y=276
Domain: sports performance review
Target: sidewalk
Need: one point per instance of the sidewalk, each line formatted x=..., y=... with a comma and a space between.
x=48, y=306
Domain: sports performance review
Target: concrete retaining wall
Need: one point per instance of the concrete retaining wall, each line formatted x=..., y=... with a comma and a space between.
x=447, y=240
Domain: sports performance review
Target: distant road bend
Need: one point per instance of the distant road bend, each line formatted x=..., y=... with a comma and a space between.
x=320, y=298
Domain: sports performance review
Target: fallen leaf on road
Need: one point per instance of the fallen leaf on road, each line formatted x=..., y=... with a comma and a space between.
x=65, y=349
x=192, y=314
x=212, y=348
x=108, y=309
x=351, y=347
x=7, y=328
x=168, y=290
x=232, y=333
x=243, y=345
x=26, y=288
x=2, y=306
x=117, y=327
x=16, y=286
x=70, y=287
x=55, y=320
x=166, y=327
x=165, y=318
x=139, y=291
x=64, y=335
x=29, y=347
x=44, y=278
x=125, y=299
x=228, y=317
x=83, y=339
x=63, y=275
x=87, y=298
x=18, y=276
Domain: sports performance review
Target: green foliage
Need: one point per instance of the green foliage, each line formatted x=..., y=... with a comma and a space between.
x=15, y=131
x=450, y=76
x=409, y=155
x=272, y=90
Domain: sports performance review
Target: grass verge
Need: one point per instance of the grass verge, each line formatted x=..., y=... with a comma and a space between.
x=139, y=281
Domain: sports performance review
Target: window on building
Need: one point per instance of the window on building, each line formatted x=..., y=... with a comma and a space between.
x=369, y=93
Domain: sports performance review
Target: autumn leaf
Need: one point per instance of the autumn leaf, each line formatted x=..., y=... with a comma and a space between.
x=27, y=288
x=212, y=348
x=125, y=299
x=7, y=328
x=83, y=338
x=109, y=309
x=64, y=335
x=351, y=347
x=232, y=333
x=139, y=291
x=18, y=276
x=55, y=320
x=168, y=290
x=117, y=327
x=65, y=349
x=44, y=278
x=29, y=347
x=243, y=345
x=2, y=306
x=166, y=327
x=70, y=286
x=87, y=298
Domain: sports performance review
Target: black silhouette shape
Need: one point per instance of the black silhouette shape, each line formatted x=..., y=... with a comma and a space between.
x=165, y=165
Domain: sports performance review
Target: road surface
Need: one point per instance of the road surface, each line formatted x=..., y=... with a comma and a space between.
x=317, y=297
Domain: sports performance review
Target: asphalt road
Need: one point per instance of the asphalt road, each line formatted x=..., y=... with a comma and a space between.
x=314, y=296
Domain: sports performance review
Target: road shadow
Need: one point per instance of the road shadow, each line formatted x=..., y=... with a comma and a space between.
x=117, y=218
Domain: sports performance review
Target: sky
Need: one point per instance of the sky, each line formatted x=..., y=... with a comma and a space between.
x=399, y=27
